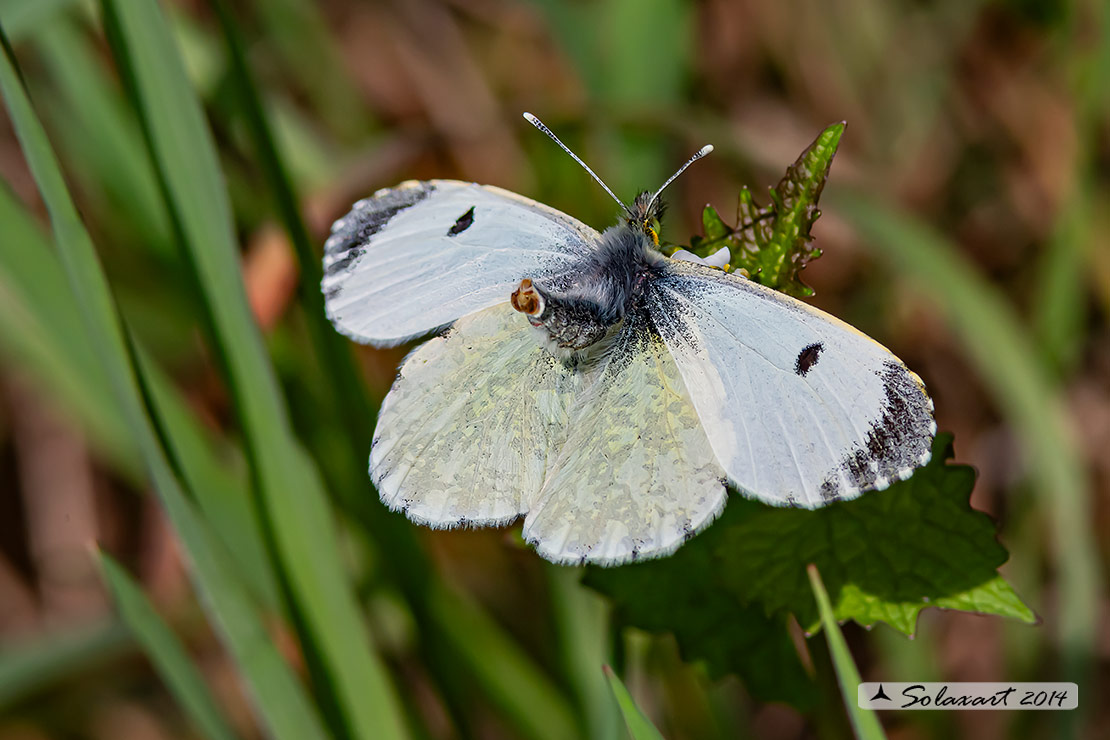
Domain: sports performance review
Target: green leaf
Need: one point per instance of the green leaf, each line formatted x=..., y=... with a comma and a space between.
x=864, y=721
x=885, y=556
x=772, y=243
x=166, y=652
x=639, y=726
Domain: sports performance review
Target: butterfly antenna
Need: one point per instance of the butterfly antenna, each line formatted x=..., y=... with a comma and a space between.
x=700, y=153
x=539, y=124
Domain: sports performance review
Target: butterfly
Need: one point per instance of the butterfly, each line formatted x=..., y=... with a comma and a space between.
x=607, y=393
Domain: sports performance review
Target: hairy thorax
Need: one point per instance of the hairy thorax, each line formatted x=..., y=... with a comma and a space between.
x=575, y=313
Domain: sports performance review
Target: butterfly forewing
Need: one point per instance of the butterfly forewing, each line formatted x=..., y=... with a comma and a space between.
x=636, y=476
x=799, y=407
x=414, y=258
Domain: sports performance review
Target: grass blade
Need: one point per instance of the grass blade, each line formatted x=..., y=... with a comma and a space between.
x=165, y=651
x=864, y=721
x=22, y=18
x=280, y=700
x=41, y=329
x=639, y=726
x=535, y=706
x=290, y=492
x=56, y=657
x=510, y=680
x=345, y=392
x=104, y=140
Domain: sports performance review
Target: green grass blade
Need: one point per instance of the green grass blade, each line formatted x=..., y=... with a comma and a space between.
x=583, y=626
x=505, y=674
x=22, y=18
x=639, y=726
x=290, y=491
x=42, y=332
x=104, y=139
x=864, y=721
x=166, y=652
x=998, y=346
x=524, y=695
x=221, y=490
x=52, y=658
x=282, y=704
x=345, y=391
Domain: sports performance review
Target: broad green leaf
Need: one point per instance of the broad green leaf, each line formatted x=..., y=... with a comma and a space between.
x=639, y=726
x=864, y=721
x=167, y=653
x=885, y=556
x=296, y=510
x=283, y=705
x=772, y=243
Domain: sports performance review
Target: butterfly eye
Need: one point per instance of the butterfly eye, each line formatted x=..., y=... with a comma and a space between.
x=527, y=299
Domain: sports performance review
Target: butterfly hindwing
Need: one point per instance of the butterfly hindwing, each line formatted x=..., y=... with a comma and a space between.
x=414, y=258
x=466, y=434
x=636, y=476
x=800, y=408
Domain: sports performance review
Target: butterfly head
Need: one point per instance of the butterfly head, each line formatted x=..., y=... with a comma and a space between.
x=646, y=215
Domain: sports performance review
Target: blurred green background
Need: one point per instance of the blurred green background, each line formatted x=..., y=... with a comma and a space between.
x=963, y=227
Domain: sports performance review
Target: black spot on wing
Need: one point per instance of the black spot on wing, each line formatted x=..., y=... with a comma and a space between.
x=352, y=233
x=895, y=443
x=463, y=223
x=807, y=358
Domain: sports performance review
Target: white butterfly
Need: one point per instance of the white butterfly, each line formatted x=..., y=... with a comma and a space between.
x=634, y=388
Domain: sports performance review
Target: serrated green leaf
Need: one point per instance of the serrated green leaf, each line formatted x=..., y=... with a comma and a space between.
x=715, y=227
x=772, y=243
x=884, y=557
x=639, y=726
